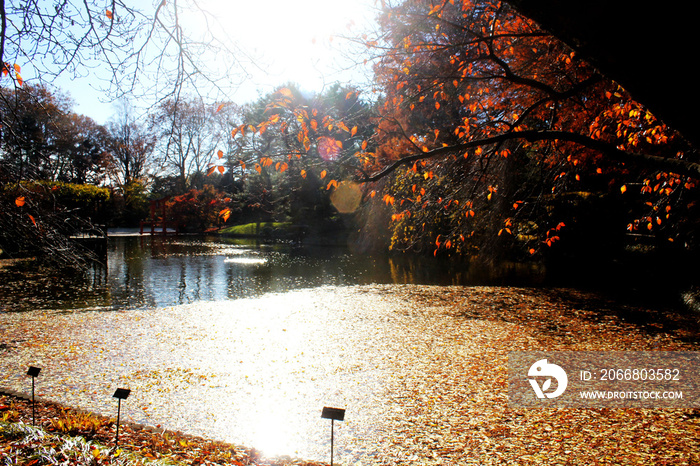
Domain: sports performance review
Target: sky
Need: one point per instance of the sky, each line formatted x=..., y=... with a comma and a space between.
x=287, y=41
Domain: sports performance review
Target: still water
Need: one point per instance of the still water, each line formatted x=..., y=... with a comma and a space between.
x=152, y=272
x=246, y=343
x=240, y=341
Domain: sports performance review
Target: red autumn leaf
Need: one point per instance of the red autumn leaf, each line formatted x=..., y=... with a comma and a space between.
x=20, y=201
x=109, y=14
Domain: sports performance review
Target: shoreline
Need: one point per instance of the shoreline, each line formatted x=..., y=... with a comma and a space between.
x=150, y=441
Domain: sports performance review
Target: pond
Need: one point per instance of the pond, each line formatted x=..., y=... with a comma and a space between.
x=147, y=272
x=246, y=343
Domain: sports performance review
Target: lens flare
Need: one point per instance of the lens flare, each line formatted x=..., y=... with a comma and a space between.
x=347, y=196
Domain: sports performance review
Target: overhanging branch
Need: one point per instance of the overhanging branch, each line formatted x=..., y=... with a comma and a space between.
x=674, y=165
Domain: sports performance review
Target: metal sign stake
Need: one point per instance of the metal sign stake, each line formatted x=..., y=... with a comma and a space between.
x=120, y=394
x=334, y=414
x=33, y=372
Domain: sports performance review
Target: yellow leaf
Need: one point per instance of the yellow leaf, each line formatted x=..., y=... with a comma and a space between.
x=20, y=81
x=286, y=93
x=623, y=189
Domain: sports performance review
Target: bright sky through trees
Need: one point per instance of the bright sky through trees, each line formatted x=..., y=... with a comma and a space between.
x=282, y=41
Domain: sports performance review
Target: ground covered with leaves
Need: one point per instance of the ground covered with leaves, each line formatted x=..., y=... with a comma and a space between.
x=422, y=372
x=49, y=433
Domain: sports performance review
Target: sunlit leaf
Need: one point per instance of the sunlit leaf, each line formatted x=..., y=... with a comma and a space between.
x=323, y=174
x=17, y=68
x=109, y=14
x=303, y=173
x=32, y=219
x=220, y=154
x=20, y=201
x=219, y=108
x=222, y=169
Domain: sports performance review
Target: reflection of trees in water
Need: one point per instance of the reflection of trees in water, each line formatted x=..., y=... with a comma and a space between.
x=145, y=272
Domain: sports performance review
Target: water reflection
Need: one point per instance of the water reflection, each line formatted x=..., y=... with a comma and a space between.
x=148, y=272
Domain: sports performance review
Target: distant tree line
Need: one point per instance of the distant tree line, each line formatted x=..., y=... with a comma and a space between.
x=482, y=134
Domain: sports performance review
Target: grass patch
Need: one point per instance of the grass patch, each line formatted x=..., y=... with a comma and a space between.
x=258, y=229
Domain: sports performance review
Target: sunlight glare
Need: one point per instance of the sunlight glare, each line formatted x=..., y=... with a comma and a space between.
x=294, y=41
